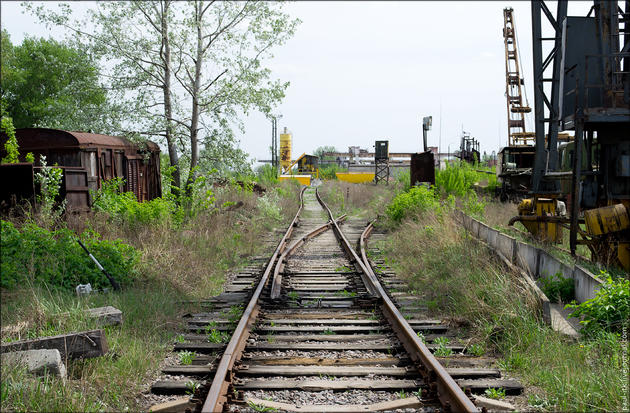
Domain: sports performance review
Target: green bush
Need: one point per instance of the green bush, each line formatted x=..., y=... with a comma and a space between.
x=267, y=174
x=608, y=311
x=124, y=207
x=558, y=288
x=459, y=178
x=32, y=254
x=329, y=171
x=417, y=199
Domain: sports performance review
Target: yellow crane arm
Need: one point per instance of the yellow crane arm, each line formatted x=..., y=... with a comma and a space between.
x=294, y=162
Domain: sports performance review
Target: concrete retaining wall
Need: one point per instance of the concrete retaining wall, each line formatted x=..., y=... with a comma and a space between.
x=586, y=284
x=506, y=245
x=534, y=261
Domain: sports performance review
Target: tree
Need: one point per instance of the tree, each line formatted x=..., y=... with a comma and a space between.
x=319, y=152
x=212, y=52
x=46, y=83
x=228, y=40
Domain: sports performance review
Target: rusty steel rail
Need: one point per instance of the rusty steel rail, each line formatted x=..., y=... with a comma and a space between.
x=363, y=270
x=276, y=285
x=217, y=395
x=448, y=391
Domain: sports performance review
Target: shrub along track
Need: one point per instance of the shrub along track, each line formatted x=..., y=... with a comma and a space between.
x=319, y=333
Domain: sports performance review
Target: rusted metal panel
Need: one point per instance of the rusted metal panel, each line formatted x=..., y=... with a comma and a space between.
x=75, y=190
x=422, y=168
x=103, y=157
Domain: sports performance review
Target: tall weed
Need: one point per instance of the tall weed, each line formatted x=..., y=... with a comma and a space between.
x=417, y=200
x=35, y=255
x=460, y=177
x=609, y=311
x=460, y=278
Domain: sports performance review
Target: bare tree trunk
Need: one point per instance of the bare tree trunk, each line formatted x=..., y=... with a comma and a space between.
x=194, y=120
x=168, y=107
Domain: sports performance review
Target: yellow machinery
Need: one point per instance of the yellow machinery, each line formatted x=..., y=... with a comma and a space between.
x=285, y=151
x=541, y=217
x=605, y=225
x=303, y=179
x=590, y=97
x=355, y=177
x=603, y=233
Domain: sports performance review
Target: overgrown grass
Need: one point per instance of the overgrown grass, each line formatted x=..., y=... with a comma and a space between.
x=360, y=200
x=460, y=278
x=177, y=261
x=459, y=177
x=328, y=171
x=108, y=383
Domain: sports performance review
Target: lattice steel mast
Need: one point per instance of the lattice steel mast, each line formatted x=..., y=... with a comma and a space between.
x=516, y=108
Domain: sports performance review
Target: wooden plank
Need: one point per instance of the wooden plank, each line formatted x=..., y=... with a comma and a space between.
x=179, y=405
x=461, y=372
x=359, y=361
x=169, y=387
x=342, y=321
x=492, y=404
x=406, y=403
x=85, y=344
x=264, y=370
x=189, y=370
x=479, y=386
x=320, y=337
x=200, y=347
x=323, y=346
x=320, y=385
x=352, y=329
x=313, y=314
x=326, y=321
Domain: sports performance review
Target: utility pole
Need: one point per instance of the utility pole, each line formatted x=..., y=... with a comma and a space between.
x=275, y=161
x=274, y=143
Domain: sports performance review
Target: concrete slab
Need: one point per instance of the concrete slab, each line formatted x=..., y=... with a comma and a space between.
x=39, y=362
x=474, y=227
x=106, y=316
x=466, y=221
x=483, y=232
x=527, y=258
x=549, y=265
x=491, y=238
x=559, y=321
x=492, y=404
x=506, y=245
x=586, y=284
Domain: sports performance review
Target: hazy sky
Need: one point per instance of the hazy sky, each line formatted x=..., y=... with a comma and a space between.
x=362, y=71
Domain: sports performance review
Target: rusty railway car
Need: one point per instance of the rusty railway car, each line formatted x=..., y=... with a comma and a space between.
x=88, y=159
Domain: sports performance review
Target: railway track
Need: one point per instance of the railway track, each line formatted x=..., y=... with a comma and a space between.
x=317, y=329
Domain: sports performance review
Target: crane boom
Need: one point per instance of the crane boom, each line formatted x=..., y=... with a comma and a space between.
x=516, y=109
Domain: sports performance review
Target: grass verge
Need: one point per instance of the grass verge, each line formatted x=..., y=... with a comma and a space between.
x=460, y=278
x=180, y=262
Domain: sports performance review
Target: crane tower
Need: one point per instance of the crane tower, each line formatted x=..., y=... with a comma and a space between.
x=516, y=110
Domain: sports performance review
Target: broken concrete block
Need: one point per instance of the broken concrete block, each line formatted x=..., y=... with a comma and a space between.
x=492, y=404
x=107, y=316
x=38, y=362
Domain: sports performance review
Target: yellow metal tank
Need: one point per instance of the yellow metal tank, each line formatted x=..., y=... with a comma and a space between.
x=607, y=219
x=285, y=150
